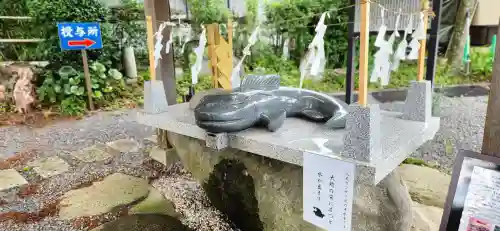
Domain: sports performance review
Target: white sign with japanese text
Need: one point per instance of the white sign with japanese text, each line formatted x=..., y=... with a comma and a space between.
x=328, y=188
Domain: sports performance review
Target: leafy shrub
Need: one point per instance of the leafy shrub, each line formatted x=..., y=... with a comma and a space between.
x=17, y=29
x=482, y=63
x=73, y=106
x=47, y=13
x=302, y=31
x=207, y=11
x=67, y=85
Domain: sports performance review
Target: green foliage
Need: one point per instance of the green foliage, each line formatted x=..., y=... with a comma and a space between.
x=73, y=106
x=128, y=23
x=207, y=11
x=482, y=63
x=68, y=85
x=302, y=31
x=17, y=29
x=47, y=13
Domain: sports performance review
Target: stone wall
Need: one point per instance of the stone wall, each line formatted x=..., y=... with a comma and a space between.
x=259, y=193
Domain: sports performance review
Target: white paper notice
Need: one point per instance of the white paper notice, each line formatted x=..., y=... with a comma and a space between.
x=328, y=192
x=482, y=203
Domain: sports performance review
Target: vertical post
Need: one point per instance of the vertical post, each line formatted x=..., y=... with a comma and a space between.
x=88, y=81
x=493, y=47
x=466, y=56
x=491, y=138
x=230, y=34
x=432, y=50
x=212, y=35
x=166, y=67
x=363, y=52
x=230, y=40
x=422, y=51
x=351, y=54
x=149, y=29
x=160, y=10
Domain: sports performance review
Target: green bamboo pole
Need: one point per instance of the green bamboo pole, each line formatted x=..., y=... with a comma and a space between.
x=493, y=47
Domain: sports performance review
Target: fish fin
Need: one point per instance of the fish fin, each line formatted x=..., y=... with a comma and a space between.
x=337, y=121
x=198, y=97
x=260, y=82
x=273, y=121
x=313, y=114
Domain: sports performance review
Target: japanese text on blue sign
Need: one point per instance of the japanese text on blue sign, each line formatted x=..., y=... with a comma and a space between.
x=80, y=36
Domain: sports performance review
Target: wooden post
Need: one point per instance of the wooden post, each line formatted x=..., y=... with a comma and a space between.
x=149, y=29
x=491, y=136
x=363, y=52
x=88, y=81
x=421, y=52
x=159, y=10
x=230, y=40
x=212, y=35
x=433, y=44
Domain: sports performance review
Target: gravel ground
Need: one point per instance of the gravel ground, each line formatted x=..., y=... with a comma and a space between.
x=190, y=200
x=62, y=138
x=73, y=135
x=462, y=121
x=462, y=124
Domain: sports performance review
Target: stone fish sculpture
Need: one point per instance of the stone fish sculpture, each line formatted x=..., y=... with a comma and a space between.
x=260, y=101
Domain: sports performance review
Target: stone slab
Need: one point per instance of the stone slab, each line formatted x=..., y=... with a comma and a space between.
x=399, y=139
x=122, y=146
x=92, y=154
x=10, y=178
x=427, y=186
x=258, y=193
x=362, y=139
x=153, y=139
x=155, y=100
x=418, y=106
x=102, y=196
x=155, y=203
x=48, y=167
x=426, y=218
x=166, y=157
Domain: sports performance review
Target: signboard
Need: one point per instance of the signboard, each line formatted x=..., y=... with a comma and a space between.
x=328, y=192
x=473, y=201
x=390, y=15
x=80, y=36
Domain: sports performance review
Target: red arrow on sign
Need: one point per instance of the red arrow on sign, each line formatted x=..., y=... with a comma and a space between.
x=86, y=42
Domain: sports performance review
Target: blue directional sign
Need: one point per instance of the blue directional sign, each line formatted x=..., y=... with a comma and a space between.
x=80, y=36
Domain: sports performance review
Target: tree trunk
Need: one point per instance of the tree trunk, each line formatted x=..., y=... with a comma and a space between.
x=458, y=38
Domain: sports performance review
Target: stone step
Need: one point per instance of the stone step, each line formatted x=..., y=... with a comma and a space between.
x=10, y=178
x=50, y=166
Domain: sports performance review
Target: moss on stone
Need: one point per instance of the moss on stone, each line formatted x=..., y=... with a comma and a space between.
x=232, y=191
x=144, y=222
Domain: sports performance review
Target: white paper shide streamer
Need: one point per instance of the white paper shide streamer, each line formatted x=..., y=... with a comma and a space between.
x=261, y=14
x=196, y=68
x=235, y=75
x=168, y=44
x=158, y=44
x=286, y=50
x=400, y=53
x=315, y=58
x=418, y=34
x=382, y=63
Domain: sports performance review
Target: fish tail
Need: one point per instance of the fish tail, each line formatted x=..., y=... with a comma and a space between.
x=338, y=120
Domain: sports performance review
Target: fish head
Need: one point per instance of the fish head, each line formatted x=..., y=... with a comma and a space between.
x=228, y=112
